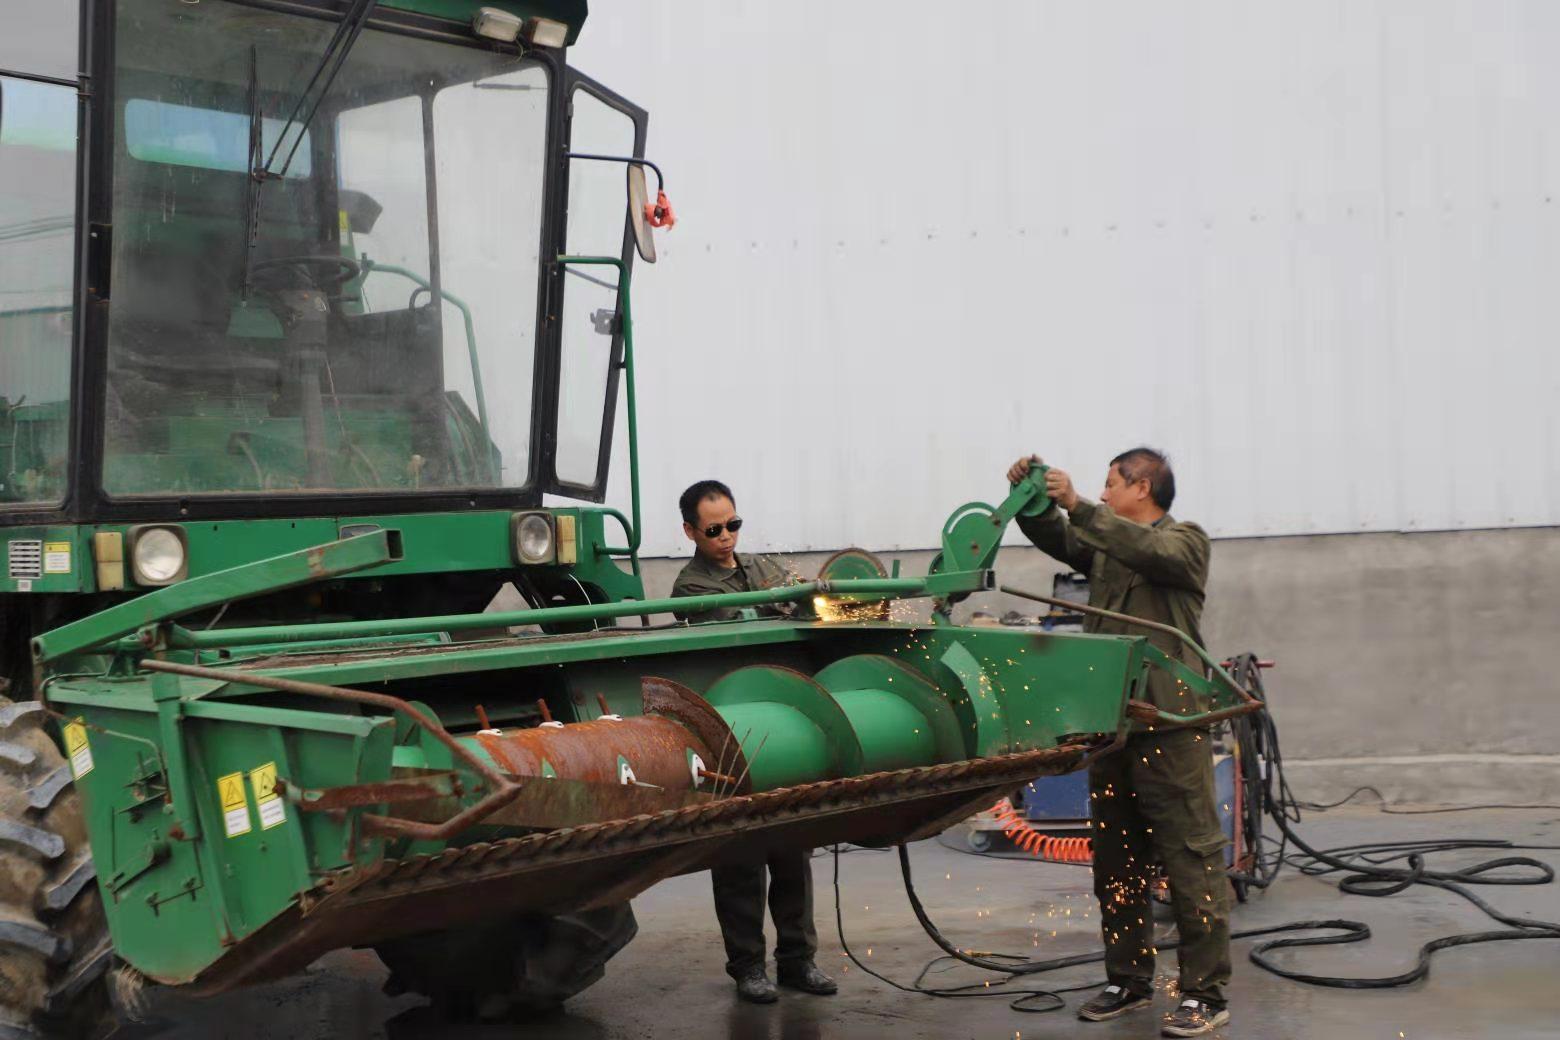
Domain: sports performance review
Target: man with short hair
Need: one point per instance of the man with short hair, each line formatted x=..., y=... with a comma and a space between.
x=1153, y=800
x=710, y=520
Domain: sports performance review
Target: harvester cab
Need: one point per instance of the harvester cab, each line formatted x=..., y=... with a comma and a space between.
x=332, y=264
x=317, y=301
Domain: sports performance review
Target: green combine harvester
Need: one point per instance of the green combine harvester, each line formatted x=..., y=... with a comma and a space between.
x=305, y=305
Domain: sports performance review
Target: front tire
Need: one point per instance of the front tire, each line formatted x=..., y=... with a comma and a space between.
x=521, y=963
x=55, y=952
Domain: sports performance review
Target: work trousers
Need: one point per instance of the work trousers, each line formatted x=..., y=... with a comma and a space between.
x=739, y=906
x=1153, y=801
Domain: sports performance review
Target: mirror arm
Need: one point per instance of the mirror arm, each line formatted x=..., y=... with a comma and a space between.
x=627, y=160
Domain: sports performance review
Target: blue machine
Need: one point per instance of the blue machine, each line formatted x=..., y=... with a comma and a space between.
x=1062, y=802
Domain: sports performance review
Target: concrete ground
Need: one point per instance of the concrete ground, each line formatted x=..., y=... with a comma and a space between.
x=669, y=984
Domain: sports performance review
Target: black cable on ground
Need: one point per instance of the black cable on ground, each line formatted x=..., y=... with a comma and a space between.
x=1366, y=864
x=1015, y=966
x=1269, y=797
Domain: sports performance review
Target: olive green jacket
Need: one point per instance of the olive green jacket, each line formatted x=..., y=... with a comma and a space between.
x=1156, y=572
x=700, y=577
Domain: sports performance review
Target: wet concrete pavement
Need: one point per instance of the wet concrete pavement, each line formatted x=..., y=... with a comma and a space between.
x=669, y=985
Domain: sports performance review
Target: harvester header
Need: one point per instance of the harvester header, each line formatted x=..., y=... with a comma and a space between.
x=325, y=322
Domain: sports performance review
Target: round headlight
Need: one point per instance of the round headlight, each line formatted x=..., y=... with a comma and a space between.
x=158, y=556
x=535, y=539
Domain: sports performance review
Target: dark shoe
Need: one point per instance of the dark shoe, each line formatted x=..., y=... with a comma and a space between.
x=807, y=978
x=1111, y=1002
x=755, y=988
x=1194, y=1018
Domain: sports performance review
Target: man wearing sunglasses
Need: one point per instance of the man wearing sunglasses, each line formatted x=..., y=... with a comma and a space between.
x=710, y=519
x=1153, y=800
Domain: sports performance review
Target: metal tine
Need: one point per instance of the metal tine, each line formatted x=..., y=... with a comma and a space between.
x=758, y=751
x=719, y=757
x=728, y=792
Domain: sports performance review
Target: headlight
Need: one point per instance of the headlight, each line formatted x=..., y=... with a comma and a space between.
x=158, y=555
x=534, y=540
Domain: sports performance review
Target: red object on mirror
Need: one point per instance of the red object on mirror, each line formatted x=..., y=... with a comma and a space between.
x=659, y=213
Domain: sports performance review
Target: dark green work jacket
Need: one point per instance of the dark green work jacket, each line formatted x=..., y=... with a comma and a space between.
x=1156, y=572
x=702, y=578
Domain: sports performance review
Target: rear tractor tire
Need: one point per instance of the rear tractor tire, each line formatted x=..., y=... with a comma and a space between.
x=55, y=953
x=495, y=971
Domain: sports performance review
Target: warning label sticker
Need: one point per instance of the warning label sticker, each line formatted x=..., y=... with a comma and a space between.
x=273, y=809
x=77, y=748
x=56, y=557
x=235, y=807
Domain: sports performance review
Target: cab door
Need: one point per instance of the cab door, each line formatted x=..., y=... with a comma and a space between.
x=589, y=340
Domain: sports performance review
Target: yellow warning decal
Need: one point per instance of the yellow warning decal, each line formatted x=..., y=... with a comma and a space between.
x=273, y=810
x=56, y=557
x=235, y=807
x=77, y=749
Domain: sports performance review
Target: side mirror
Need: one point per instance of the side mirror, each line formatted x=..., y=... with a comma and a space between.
x=362, y=210
x=643, y=214
x=638, y=203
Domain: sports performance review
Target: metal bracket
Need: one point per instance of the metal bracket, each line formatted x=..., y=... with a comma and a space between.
x=145, y=614
x=155, y=853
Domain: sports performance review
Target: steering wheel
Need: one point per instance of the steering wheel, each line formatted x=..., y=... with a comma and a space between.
x=321, y=271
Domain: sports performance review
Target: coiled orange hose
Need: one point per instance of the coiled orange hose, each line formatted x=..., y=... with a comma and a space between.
x=1044, y=846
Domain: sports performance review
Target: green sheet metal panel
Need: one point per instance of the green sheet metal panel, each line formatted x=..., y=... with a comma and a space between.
x=57, y=558
x=175, y=904
x=436, y=543
x=892, y=733
x=1042, y=686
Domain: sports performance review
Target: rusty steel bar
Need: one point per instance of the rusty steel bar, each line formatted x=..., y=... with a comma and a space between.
x=356, y=796
x=503, y=790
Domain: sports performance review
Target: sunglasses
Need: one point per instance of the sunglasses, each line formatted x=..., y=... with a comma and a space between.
x=733, y=525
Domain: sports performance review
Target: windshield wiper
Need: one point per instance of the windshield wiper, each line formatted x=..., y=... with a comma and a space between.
x=252, y=199
x=341, y=41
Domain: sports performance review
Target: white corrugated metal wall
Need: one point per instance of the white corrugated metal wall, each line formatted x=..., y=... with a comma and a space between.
x=1307, y=248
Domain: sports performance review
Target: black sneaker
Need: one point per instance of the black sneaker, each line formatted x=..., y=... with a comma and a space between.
x=1194, y=1018
x=1111, y=1002
x=755, y=988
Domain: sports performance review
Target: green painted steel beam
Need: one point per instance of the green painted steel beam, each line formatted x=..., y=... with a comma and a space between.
x=885, y=588
x=368, y=667
x=251, y=579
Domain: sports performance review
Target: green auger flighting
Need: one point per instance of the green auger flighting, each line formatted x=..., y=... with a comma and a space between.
x=315, y=302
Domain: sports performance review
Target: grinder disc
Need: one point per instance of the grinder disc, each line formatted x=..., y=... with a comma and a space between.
x=847, y=564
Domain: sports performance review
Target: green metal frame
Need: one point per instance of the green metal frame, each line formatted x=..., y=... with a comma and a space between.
x=880, y=588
